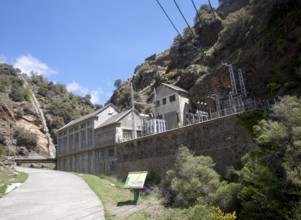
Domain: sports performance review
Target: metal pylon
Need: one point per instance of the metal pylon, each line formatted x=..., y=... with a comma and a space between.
x=232, y=79
x=242, y=83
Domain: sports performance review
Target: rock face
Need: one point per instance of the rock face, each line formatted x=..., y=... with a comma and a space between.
x=31, y=111
x=5, y=112
x=7, y=165
x=261, y=38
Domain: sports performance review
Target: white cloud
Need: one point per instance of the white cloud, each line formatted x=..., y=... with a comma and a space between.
x=28, y=64
x=3, y=59
x=82, y=91
x=76, y=88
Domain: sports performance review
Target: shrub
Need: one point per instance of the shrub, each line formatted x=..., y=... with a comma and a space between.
x=27, y=139
x=42, y=91
x=217, y=214
x=19, y=113
x=57, y=122
x=153, y=178
x=16, y=94
x=193, y=180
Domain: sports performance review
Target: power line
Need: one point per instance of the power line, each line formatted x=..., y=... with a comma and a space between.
x=197, y=12
x=211, y=9
x=169, y=18
x=184, y=18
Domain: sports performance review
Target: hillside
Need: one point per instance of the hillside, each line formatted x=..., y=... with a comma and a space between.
x=26, y=103
x=261, y=37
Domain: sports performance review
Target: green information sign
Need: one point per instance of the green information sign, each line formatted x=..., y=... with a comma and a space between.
x=135, y=180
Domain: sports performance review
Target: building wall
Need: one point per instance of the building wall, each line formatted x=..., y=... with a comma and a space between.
x=75, y=138
x=225, y=140
x=171, y=111
x=105, y=115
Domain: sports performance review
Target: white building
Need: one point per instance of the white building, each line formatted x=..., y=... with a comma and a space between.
x=171, y=103
x=87, y=143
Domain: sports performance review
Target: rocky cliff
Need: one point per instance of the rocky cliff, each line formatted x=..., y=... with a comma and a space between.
x=261, y=37
x=31, y=110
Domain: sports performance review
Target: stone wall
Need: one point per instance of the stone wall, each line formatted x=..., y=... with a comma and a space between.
x=225, y=140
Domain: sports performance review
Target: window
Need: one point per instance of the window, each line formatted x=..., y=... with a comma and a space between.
x=112, y=166
x=71, y=141
x=90, y=137
x=164, y=101
x=76, y=140
x=127, y=134
x=172, y=98
x=157, y=103
x=83, y=138
x=111, y=153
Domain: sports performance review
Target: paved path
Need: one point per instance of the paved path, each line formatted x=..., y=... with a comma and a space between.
x=51, y=195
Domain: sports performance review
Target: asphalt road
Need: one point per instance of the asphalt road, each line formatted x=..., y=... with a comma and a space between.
x=51, y=195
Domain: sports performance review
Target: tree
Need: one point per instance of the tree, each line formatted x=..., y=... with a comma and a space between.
x=192, y=181
x=118, y=83
x=271, y=176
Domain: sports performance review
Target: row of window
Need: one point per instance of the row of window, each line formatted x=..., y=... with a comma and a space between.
x=163, y=101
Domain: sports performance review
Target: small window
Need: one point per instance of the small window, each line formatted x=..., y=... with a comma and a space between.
x=164, y=101
x=172, y=98
x=157, y=103
x=111, y=153
x=110, y=112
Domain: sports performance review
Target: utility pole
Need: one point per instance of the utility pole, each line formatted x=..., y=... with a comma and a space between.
x=134, y=134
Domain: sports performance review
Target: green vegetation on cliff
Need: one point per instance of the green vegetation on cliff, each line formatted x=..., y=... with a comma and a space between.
x=58, y=105
x=261, y=37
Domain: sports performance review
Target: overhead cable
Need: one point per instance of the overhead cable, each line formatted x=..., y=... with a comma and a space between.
x=211, y=9
x=169, y=18
x=184, y=18
x=197, y=12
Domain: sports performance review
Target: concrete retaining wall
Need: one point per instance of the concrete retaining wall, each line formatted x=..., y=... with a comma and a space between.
x=224, y=139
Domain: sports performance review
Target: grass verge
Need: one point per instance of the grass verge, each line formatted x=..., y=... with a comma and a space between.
x=118, y=202
x=7, y=178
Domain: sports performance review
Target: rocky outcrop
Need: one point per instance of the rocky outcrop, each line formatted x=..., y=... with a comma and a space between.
x=5, y=112
x=7, y=165
x=262, y=38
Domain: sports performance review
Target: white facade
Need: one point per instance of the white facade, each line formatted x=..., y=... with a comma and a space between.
x=87, y=144
x=171, y=103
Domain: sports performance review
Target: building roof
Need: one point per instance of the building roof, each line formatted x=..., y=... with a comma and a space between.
x=114, y=118
x=178, y=89
x=88, y=116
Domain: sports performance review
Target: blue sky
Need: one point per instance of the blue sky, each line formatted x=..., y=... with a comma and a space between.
x=87, y=44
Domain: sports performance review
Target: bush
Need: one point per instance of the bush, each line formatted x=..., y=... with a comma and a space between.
x=19, y=113
x=193, y=180
x=57, y=122
x=153, y=178
x=27, y=139
x=16, y=94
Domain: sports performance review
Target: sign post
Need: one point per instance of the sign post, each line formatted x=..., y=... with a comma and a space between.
x=135, y=181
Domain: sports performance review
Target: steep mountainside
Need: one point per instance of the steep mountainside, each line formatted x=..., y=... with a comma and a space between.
x=27, y=104
x=261, y=37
